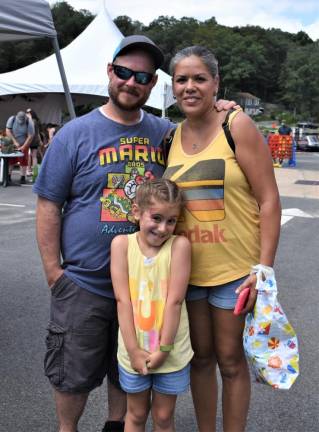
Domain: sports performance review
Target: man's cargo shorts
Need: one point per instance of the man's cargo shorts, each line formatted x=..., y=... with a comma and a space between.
x=82, y=339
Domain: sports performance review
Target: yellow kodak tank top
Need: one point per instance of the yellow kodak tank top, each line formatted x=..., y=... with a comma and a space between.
x=221, y=218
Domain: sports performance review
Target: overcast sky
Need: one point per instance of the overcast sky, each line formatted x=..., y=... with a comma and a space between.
x=288, y=15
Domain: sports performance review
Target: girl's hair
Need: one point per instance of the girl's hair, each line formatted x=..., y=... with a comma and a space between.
x=160, y=190
x=207, y=57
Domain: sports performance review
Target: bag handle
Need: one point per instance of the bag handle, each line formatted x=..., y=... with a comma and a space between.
x=263, y=274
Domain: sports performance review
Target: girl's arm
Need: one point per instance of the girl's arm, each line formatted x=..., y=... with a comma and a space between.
x=254, y=158
x=179, y=277
x=120, y=281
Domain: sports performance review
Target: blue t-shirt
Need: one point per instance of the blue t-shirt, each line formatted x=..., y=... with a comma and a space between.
x=20, y=130
x=93, y=167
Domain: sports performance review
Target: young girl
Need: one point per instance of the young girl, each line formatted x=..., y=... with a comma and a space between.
x=150, y=271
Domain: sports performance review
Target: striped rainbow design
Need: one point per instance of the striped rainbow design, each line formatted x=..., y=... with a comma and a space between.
x=203, y=187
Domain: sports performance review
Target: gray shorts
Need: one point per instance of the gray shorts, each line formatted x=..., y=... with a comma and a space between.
x=82, y=339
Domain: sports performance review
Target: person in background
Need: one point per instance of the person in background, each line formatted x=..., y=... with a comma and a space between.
x=283, y=143
x=21, y=130
x=150, y=271
x=284, y=129
x=92, y=169
x=232, y=218
x=35, y=145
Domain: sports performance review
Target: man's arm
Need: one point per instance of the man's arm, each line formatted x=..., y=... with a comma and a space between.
x=29, y=137
x=26, y=143
x=48, y=230
x=10, y=135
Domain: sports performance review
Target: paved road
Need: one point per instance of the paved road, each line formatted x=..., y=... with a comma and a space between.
x=25, y=396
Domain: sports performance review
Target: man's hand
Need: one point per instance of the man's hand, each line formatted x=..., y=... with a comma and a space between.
x=226, y=105
x=54, y=275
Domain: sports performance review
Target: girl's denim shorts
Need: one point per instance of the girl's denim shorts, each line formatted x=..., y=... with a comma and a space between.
x=172, y=383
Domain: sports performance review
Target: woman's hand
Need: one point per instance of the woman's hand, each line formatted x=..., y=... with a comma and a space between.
x=250, y=283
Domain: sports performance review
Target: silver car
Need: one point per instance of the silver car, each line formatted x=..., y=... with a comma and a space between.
x=308, y=142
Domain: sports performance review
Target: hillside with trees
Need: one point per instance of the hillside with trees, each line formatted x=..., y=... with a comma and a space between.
x=276, y=66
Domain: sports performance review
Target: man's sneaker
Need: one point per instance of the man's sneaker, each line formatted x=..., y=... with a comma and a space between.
x=22, y=180
x=113, y=426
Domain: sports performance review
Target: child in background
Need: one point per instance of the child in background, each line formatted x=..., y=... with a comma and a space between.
x=150, y=271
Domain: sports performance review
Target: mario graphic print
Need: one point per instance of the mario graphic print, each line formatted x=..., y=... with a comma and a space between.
x=116, y=200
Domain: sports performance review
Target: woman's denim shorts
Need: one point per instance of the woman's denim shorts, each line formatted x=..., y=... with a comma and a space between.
x=221, y=296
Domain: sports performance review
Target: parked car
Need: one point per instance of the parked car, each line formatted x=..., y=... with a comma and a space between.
x=308, y=142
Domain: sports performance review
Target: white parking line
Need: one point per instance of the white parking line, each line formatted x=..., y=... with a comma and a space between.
x=16, y=221
x=288, y=214
x=11, y=205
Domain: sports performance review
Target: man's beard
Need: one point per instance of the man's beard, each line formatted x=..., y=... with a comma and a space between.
x=114, y=96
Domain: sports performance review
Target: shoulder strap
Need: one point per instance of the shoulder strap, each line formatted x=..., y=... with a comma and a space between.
x=167, y=142
x=14, y=119
x=226, y=128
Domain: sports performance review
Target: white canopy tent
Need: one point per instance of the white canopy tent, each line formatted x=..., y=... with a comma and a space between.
x=85, y=59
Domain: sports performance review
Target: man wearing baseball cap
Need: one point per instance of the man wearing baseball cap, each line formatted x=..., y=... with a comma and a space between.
x=21, y=131
x=92, y=169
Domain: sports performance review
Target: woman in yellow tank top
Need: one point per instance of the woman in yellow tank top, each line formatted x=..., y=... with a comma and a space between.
x=232, y=218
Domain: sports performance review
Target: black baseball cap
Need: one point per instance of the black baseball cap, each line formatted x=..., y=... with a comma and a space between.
x=143, y=43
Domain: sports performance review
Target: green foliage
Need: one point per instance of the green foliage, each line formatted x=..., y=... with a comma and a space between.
x=68, y=22
x=127, y=26
x=299, y=80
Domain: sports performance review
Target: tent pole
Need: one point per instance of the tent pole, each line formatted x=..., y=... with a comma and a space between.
x=68, y=98
x=164, y=100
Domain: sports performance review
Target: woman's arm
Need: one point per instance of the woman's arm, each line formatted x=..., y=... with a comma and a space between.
x=120, y=281
x=179, y=277
x=254, y=158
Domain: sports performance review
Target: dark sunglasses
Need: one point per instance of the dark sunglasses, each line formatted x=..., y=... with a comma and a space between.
x=124, y=73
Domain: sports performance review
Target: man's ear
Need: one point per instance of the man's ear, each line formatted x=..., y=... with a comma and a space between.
x=109, y=69
x=154, y=80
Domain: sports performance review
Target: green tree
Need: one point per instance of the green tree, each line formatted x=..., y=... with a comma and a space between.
x=299, y=81
x=127, y=26
x=171, y=34
x=68, y=22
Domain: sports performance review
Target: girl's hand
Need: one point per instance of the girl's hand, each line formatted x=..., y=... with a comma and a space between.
x=156, y=359
x=250, y=283
x=139, y=360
